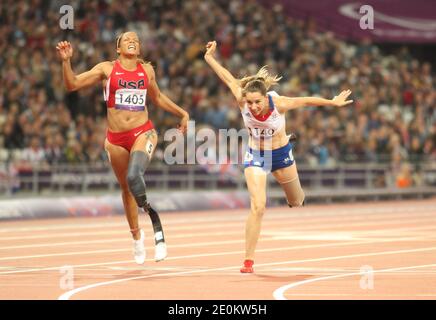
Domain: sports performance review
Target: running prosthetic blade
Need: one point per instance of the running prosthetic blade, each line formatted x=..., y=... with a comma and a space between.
x=160, y=246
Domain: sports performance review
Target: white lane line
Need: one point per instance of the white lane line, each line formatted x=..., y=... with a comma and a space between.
x=58, y=235
x=307, y=226
x=67, y=295
x=122, y=231
x=125, y=249
x=326, y=294
x=311, y=246
x=322, y=213
x=120, y=240
x=279, y=234
x=279, y=294
x=91, y=225
x=358, y=232
x=187, y=245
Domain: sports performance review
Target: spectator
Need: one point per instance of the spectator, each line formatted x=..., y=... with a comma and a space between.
x=394, y=95
x=34, y=154
x=404, y=178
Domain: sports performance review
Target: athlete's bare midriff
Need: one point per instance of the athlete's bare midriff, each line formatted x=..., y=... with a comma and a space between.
x=122, y=120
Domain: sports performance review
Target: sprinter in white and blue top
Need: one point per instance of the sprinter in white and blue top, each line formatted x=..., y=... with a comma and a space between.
x=262, y=129
x=269, y=148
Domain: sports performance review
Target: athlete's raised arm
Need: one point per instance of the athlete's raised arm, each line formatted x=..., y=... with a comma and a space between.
x=163, y=101
x=85, y=79
x=285, y=103
x=222, y=72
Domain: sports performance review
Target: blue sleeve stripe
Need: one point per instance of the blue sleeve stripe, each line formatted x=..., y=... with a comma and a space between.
x=271, y=103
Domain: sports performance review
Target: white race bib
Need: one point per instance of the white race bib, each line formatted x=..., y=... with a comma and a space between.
x=131, y=97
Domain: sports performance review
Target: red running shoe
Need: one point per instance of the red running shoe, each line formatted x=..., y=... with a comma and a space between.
x=248, y=266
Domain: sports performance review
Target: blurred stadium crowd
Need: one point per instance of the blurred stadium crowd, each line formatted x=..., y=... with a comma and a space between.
x=392, y=120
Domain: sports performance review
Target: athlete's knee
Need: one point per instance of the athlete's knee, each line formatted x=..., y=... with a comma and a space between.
x=124, y=188
x=258, y=207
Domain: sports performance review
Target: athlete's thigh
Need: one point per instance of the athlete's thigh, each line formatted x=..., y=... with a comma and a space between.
x=290, y=183
x=146, y=142
x=119, y=160
x=256, y=183
x=285, y=175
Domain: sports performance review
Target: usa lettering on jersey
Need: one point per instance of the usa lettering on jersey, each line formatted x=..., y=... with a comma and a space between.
x=130, y=84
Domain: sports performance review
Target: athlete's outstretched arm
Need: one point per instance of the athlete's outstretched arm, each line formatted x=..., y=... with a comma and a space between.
x=222, y=72
x=285, y=103
x=163, y=101
x=71, y=81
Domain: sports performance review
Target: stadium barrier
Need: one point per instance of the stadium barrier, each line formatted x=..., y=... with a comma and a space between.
x=99, y=178
x=109, y=205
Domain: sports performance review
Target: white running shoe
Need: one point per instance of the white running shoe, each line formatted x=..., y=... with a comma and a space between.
x=139, y=249
x=160, y=251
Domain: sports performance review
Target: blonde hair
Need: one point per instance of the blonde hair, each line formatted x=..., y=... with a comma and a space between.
x=261, y=81
x=118, y=45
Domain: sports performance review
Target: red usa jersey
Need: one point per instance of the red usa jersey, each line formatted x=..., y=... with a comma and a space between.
x=126, y=90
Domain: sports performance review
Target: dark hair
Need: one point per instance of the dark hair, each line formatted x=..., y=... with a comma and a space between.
x=119, y=39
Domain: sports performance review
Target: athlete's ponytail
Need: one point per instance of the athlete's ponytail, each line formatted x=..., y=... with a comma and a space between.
x=260, y=82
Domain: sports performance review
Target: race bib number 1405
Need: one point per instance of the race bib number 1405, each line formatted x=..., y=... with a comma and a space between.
x=130, y=99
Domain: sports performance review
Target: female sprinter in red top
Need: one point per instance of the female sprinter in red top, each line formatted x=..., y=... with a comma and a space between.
x=269, y=148
x=131, y=138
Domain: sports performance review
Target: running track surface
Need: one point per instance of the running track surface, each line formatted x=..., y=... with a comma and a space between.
x=379, y=250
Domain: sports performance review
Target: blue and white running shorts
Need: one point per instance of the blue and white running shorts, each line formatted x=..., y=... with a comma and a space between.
x=268, y=160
